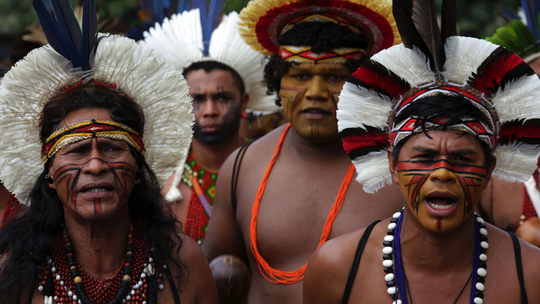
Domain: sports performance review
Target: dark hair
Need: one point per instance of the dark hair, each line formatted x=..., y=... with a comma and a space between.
x=454, y=107
x=320, y=36
x=210, y=65
x=28, y=240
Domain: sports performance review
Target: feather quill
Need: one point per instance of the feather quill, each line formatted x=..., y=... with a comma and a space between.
x=68, y=23
x=89, y=32
x=56, y=38
x=425, y=19
x=402, y=10
x=448, y=19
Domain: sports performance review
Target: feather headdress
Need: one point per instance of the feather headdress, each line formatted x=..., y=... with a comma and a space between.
x=264, y=21
x=495, y=81
x=520, y=36
x=74, y=56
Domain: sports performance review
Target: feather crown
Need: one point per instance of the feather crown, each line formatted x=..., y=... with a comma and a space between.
x=380, y=104
x=72, y=58
x=265, y=21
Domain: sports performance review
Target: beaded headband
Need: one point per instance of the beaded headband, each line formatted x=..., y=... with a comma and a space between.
x=91, y=129
x=304, y=54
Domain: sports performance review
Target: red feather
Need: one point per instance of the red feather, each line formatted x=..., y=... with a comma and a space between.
x=379, y=82
x=490, y=77
x=365, y=139
x=515, y=131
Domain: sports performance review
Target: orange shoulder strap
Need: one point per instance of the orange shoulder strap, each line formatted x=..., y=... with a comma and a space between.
x=290, y=277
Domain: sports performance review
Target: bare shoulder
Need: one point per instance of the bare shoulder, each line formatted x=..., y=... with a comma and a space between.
x=191, y=254
x=530, y=256
x=328, y=269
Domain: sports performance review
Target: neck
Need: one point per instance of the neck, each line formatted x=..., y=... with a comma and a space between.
x=437, y=252
x=212, y=156
x=314, y=151
x=99, y=247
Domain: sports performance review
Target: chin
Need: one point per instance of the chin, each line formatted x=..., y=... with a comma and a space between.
x=319, y=135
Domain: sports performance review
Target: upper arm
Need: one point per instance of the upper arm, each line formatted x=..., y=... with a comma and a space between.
x=199, y=286
x=224, y=235
x=326, y=273
x=530, y=255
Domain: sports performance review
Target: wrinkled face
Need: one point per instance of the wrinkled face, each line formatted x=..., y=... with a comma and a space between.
x=217, y=105
x=93, y=177
x=441, y=178
x=309, y=94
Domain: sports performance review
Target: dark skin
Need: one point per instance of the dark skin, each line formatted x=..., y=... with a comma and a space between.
x=94, y=179
x=437, y=264
x=216, y=97
x=300, y=191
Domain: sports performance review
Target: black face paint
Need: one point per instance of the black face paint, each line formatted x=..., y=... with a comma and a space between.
x=229, y=127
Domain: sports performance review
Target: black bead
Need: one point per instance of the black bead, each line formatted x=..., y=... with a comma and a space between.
x=390, y=232
x=393, y=220
x=130, y=247
x=390, y=284
x=483, y=264
x=387, y=257
x=481, y=279
x=481, y=225
x=484, y=238
x=388, y=270
x=387, y=244
x=483, y=250
x=479, y=294
x=74, y=272
x=127, y=270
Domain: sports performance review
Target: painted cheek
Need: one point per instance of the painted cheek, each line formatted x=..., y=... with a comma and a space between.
x=290, y=98
x=334, y=97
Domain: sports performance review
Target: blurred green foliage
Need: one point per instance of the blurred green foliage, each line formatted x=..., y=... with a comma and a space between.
x=477, y=18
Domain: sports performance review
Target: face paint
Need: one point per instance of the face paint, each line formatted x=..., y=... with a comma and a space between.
x=217, y=105
x=445, y=191
x=308, y=94
x=68, y=188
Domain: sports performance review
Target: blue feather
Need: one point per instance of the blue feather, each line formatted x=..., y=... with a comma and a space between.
x=206, y=27
x=159, y=8
x=507, y=15
x=56, y=38
x=528, y=8
x=68, y=22
x=215, y=12
x=183, y=5
x=89, y=32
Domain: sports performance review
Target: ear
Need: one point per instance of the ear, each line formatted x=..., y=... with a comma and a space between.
x=53, y=185
x=245, y=100
x=393, y=166
x=138, y=175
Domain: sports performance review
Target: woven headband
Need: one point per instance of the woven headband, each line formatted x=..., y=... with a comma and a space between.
x=91, y=129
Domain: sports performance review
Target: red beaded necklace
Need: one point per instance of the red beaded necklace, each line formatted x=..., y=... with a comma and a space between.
x=94, y=290
x=11, y=210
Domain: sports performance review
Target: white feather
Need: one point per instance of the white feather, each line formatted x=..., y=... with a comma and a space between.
x=359, y=107
x=373, y=171
x=516, y=163
x=519, y=99
x=411, y=65
x=463, y=57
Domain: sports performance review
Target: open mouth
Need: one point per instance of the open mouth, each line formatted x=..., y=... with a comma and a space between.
x=441, y=203
x=97, y=190
x=315, y=113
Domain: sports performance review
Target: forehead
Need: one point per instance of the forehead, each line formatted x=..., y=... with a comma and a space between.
x=85, y=115
x=320, y=68
x=200, y=79
x=443, y=142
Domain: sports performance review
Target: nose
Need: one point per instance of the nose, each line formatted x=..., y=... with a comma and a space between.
x=318, y=89
x=443, y=175
x=96, y=164
x=208, y=108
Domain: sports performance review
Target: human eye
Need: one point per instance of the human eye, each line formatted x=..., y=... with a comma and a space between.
x=300, y=76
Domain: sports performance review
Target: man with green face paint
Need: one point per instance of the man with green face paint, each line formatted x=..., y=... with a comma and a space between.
x=437, y=115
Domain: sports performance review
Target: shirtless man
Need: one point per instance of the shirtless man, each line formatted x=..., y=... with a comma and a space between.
x=89, y=149
x=441, y=150
x=223, y=80
x=309, y=186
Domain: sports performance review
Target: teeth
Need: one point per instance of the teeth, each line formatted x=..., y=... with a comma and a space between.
x=441, y=207
x=97, y=190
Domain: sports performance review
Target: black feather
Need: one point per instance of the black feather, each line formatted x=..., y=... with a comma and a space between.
x=56, y=38
x=402, y=10
x=425, y=19
x=89, y=32
x=68, y=22
x=448, y=19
